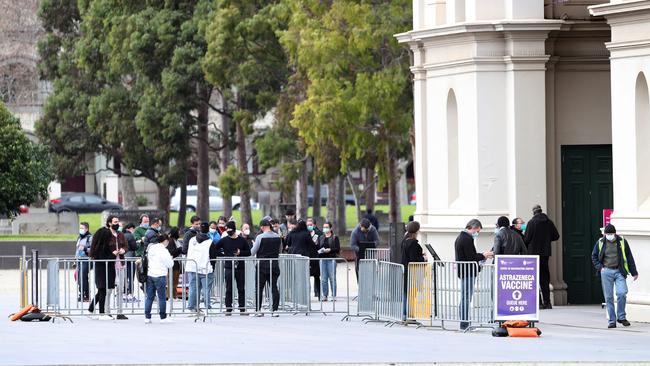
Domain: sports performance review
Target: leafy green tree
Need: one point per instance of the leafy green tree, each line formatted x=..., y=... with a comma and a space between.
x=357, y=100
x=246, y=62
x=25, y=167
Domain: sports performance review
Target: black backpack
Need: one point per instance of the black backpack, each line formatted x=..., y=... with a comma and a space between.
x=143, y=268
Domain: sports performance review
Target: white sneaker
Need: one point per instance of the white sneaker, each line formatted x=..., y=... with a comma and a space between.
x=259, y=315
x=147, y=321
x=104, y=317
x=275, y=315
x=166, y=320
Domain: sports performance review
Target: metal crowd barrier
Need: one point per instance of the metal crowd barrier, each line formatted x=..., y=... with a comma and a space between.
x=420, y=293
x=378, y=254
x=381, y=291
x=463, y=293
x=68, y=294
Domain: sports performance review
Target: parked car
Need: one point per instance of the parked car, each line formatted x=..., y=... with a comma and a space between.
x=216, y=200
x=349, y=198
x=81, y=203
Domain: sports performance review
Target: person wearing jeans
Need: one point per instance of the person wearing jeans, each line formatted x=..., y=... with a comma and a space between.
x=613, y=258
x=198, y=267
x=83, y=266
x=160, y=261
x=467, y=271
x=328, y=250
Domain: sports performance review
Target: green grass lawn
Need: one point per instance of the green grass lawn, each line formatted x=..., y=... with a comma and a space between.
x=94, y=220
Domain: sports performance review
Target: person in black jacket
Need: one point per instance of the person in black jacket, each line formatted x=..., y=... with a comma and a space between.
x=130, y=264
x=329, y=247
x=467, y=272
x=107, y=245
x=506, y=241
x=300, y=242
x=518, y=227
x=194, y=229
x=411, y=253
x=175, y=249
x=231, y=246
x=540, y=232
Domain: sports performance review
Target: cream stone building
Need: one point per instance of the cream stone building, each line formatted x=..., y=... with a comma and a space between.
x=523, y=102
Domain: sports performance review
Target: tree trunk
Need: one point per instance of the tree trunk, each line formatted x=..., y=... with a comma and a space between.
x=202, y=160
x=340, y=202
x=245, y=203
x=225, y=154
x=182, y=208
x=393, y=199
x=331, y=202
x=302, y=199
x=356, y=194
x=370, y=187
x=317, y=198
x=129, y=199
x=163, y=202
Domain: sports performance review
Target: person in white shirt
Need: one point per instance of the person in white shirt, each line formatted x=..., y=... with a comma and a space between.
x=159, y=263
x=198, y=268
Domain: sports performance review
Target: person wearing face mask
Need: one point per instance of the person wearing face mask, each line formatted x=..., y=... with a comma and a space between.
x=160, y=261
x=81, y=254
x=221, y=225
x=152, y=234
x=364, y=232
x=518, y=226
x=232, y=246
x=214, y=232
x=506, y=241
x=246, y=234
x=466, y=252
x=329, y=249
x=129, y=229
x=138, y=234
x=613, y=260
x=107, y=248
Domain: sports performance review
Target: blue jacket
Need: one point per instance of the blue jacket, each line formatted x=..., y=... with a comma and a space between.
x=597, y=256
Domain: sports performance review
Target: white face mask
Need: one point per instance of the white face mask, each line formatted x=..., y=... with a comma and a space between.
x=326, y=230
x=82, y=231
x=610, y=237
x=247, y=232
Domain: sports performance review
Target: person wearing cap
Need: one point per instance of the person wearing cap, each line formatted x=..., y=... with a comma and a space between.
x=613, y=259
x=540, y=232
x=268, y=270
x=233, y=245
x=506, y=241
x=411, y=253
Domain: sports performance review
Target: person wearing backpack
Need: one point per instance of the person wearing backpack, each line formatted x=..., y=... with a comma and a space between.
x=159, y=261
x=83, y=266
x=613, y=259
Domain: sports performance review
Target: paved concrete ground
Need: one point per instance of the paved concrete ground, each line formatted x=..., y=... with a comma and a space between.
x=576, y=334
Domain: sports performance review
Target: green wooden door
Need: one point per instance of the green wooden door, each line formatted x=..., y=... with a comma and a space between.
x=586, y=191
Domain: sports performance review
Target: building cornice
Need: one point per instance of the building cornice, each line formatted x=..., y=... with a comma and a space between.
x=463, y=29
x=613, y=10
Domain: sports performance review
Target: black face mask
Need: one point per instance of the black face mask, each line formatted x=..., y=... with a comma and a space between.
x=231, y=232
x=115, y=226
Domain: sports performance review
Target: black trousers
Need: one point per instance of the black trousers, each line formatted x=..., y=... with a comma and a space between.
x=100, y=297
x=238, y=274
x=545, y=279
x=264, y=278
